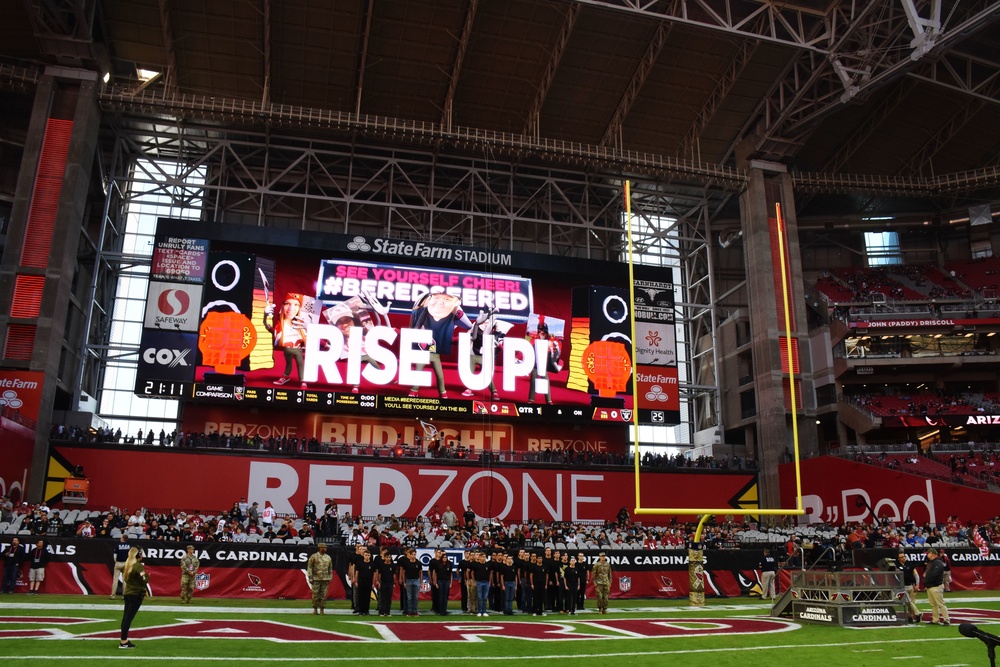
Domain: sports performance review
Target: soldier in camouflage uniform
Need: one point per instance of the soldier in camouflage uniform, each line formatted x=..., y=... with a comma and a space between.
x=602, y=582
x=319, y=572
x=189, y=568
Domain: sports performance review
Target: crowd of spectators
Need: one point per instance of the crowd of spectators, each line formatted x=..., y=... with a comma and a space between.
x=443, y=449
x=249, y=522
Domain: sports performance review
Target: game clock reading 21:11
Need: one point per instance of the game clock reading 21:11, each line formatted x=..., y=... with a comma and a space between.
x=157, y=389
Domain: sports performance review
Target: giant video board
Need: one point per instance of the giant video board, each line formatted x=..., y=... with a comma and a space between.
x=340, y=323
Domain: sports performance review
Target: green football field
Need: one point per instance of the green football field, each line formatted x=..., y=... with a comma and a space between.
x=42, y=630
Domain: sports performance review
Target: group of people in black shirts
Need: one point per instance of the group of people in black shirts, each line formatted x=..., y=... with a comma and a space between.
x=494, y=582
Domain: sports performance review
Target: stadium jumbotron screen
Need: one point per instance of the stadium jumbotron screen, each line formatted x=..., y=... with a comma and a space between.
x=329, y=322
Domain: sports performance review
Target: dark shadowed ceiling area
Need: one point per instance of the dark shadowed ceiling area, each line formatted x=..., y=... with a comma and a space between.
x=897, y=88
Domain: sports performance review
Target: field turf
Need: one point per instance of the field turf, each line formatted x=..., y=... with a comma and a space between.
x=51, y=630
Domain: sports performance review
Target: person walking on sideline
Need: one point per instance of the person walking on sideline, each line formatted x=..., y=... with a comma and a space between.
x=136, y=578
x=319, y=572
x=189, y=569
x=602, y=582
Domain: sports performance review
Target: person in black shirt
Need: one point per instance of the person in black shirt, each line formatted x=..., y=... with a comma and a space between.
x=38, y=558
x=934, y=585
x=768, y=574
x=571, y=584
x=539, y=581
x=464, y=565
x=410, y=572
x=441, y=580
x=583, y=575
x=480, y=573
x=364, y=578
x=12, y=557
x=469, y=518
x=508, y=580
x=909, y=571
x=386, y=582
x=121, y=555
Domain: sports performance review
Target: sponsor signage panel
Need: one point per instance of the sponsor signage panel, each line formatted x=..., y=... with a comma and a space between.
x=837, y=491
x=173, y=306
x=166, y=356
x=404, y=487
x=235, y=570
x=179, y=259
x=373, y=317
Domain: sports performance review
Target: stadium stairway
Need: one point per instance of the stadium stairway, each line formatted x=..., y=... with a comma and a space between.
x=783, y=605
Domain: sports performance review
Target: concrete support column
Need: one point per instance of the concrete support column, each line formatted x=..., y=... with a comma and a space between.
x=48, y=220
x=769, y=185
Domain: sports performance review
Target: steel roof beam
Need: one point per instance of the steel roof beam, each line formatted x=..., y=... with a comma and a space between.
x=532, y=126
x=166, y=27
x=456, y=69
x=639, y=76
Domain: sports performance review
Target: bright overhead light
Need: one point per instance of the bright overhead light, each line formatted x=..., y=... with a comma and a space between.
x=107, y=77
x=146, y=74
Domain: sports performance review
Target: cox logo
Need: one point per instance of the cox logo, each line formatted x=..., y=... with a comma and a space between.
x=165, y=357
x=360, y=244
x=174, y=302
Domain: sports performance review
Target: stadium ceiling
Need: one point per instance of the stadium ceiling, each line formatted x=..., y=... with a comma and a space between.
x=845, y=93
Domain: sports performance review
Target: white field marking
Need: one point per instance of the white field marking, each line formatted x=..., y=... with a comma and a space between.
x=868, y=650
x=908, y=657
x=307, y=608
x=478, y=657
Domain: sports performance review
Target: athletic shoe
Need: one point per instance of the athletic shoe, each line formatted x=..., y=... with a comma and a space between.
x=468, y=392
x=282, y=380
x=354, y=390
x=945, y=623
x=126, y=645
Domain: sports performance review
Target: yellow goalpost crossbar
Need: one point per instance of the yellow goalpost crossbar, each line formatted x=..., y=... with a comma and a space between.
x=639, y=509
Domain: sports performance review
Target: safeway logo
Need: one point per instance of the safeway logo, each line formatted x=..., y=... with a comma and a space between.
x=174, y=302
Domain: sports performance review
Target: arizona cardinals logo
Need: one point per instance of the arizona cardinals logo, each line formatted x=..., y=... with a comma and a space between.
x=750, y=586
x=667, y=581
x=978, y=575
x=254, y=579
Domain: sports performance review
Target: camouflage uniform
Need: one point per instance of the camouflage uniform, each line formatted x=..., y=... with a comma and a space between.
x=602, y=584
x=319, y=572
x=189, y=568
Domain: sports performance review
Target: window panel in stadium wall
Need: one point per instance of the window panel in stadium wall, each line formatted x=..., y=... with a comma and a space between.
x=339, y=323
x=368, y=486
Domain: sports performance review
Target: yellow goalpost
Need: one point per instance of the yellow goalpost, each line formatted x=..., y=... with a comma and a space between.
x=709, y=511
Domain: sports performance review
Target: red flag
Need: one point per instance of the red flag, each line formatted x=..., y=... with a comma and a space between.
x=980, y=541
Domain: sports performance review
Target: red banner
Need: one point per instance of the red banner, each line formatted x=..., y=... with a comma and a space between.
x=343, y=429
x=404, y=487
x=837, y=491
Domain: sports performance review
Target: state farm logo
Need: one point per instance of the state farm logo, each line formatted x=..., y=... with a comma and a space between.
x=9, y=399
x=656, y=393
x=256, y=585
x=165, y=357
x=173, y=302
x=359, y=244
